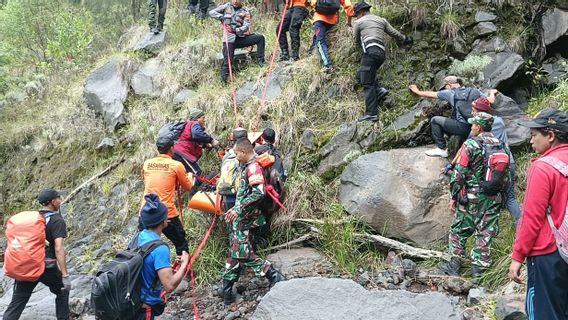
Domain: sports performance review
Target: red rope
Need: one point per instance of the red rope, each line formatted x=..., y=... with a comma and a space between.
x=230, y=63
x=271, y=66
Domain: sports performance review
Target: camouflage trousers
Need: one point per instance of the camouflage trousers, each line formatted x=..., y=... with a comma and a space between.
x=481, y=219
x=152, y=8
x=241, y=254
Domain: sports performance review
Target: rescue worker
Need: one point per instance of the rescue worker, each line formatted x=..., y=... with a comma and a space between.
x=156, y=20
x=475, y=212
x=243, y=217
x=228, y=189
x=162, y=175
x=236, y=28
x=292, y=23
x=369, y=32
x=322, y=23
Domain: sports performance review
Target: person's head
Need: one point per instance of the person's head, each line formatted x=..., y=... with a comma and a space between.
x=238, y=133
x=362, y=8
x=237, y=3
x=548, y=129
x=481, y=122
x=197, y=115
x=154, y=214
x=450, y=82
x=49, y=199
x=165, y=145
x=243, y=150
x=480, y=104
x=269, y=135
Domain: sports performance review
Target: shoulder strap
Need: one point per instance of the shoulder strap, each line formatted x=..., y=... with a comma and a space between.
x=563, y=169
x=147, y=248
x=48, y=215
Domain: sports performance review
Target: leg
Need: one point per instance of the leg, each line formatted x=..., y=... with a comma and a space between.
x=487, y=228
x=510, y=197
x=251, y=40
x=283, y=39
x=203, y=7
x=367, y=78
x=461, y=229
x=145, y=313
x=175, y=232
x=20, y=297
x=436, y=126
x=320, y=29
x=300, y=14
x=547, y=293
x=443, y=125
x=52, y=279
x=152, y=23
x=163, y=4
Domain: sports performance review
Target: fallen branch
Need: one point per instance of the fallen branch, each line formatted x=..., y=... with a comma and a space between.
x=91, y=179
x=301, y=239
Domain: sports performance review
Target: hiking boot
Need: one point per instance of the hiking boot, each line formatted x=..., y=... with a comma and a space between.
x=450, y=268
x=284, y=55
x=369, y=117
x=191, y=8
x=381, y=93
x=328, y=69
x=477, y=273
x=295, y=58
x=228, y=295
x=437, y=152
x=274, y=276
x=260, y=61
x=154, y=30
x=202, y=15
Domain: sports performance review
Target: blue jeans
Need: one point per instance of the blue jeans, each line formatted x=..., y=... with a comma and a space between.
x=511, y=202
x=320, y=29
x=547, y=287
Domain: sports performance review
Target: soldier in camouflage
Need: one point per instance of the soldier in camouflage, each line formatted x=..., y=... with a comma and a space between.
x=156, y=21
x=476, y=213
x=244, y=216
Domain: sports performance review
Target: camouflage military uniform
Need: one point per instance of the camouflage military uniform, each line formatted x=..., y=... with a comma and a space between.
x=152, y=8
x=249, y=195
x=476, y=212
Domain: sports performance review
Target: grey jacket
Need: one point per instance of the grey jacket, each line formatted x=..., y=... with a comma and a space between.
x=235, y=20
x=369, y=30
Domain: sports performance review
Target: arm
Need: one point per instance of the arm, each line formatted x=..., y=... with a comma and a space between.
x=198, y=134
x=424, y=94
x=357, y=33
x=218, y=12
x=393, y=32
x=185, y=179
x=246, y=24
x=60, y=256
x=256, y=195
x=171, y=280
x=491, y=95
x=457, y=180
x=348, y=7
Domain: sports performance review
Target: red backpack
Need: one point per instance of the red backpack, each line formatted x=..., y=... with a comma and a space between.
x=24, y=259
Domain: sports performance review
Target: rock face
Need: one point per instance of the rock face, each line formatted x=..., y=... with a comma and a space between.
x=555, y=70
x=105, y=92
x=483, y=16
x=494, y=44
x=510, y=307
x=554, y=25
x=511, y=113
x=484, y=29
x=330, y=299
x=297, y=261
x=503, y=66
x=399, y=192
x=151, y=43
x=254, y=88
x=146, y=81
x=183, y=96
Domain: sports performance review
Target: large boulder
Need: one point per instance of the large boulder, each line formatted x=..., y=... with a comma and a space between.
x=147, y=79
x=106, y=90
x=339, y=299
x=554, y=25
x=400, y=193
x=503, y=67
x=484, y=29
x=555, y=69
x=151, y=43
x=298, y=262
x=510, y=307
x=511, y=113
x=256, y=88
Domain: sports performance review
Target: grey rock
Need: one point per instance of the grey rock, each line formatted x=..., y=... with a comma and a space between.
x=106, y=144
x=183, y=96
x=457, y=285
x=182, y=287
x=503, y=66
x=554, y=25
x=296, y=261
x=307, y=139
x=233, y=315
x=256, y=88
x=493, y=44
x=473, y=314
x=340, y=150
x=416, y=210
x=555, y=69
x=35, y=89
x=241, y=56
x=151, y=43
x=322, y=298
x=484, y=29
x=78, y=306
x=484, y=16
x=510, y=111
x=459, y=48
x=408, y=118
x=246, y=92
x=510, y=307
x=106, y=90
x=476, y=295
x=147, y=79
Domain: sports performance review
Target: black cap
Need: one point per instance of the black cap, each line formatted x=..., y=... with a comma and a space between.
x=46, y=195
x=361, y=6
x=239, y=133
x=164, y=144
x=549, y=119
x=269, y=135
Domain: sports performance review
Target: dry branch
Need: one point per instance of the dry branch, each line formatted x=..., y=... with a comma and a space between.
x=91, y=179
x=301, y=239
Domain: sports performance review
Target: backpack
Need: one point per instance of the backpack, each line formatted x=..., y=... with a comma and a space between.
x=24, y=259
x=229, y=179
x=560, y=234
x=115, y=292
x=327, y=7
x=496, y=163
x=463, y=97
x=275, y=192
x=172, y=130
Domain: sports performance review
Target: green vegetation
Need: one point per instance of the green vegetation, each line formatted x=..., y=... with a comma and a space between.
x=470, y=67
x=449, y=26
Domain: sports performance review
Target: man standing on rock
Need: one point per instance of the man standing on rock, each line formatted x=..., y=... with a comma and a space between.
x=544, y=210
x=236, y=34
x=460, y=99
x=162, y=175
x=156, y=21
x=243, y=217
x=293, y=20
x=55, y=275
x=203, y=7
x=477, y=213
x=369, y=32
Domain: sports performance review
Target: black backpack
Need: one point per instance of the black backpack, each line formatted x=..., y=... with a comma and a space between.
x=463, y=97
x=496, y=162
x=327, y=7
x=115, y=292
x=172, y=130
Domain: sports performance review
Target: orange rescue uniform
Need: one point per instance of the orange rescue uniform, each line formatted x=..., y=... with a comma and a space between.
x=332, y=19
x=161, y=176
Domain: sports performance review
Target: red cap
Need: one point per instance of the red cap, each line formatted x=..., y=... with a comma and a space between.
x=482, y=104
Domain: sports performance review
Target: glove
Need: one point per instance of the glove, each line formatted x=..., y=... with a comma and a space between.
x=447, y=168
x=66, y=283
x=215, y=143
x=408, y=41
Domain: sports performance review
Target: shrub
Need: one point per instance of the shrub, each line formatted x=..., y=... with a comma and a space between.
x=72, y=36
x=450, y=26
x=470, y=67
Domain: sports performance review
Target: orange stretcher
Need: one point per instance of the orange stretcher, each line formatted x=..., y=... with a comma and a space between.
x=207, y=202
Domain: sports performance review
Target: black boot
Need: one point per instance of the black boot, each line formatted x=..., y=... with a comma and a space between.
x=284, y=55
x=381, y=94
x=450, y=268
x=228, y=296
x=274, y=276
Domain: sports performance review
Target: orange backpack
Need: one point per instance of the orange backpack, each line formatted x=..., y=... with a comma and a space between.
x=24, y=259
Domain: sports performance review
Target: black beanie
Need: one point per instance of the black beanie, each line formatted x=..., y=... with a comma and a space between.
x=153, y=212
